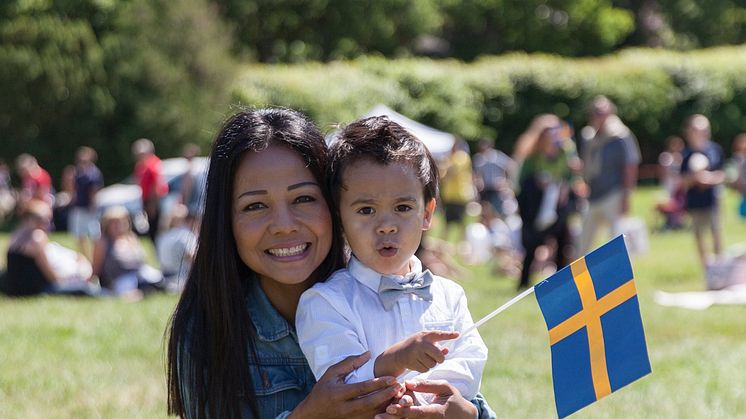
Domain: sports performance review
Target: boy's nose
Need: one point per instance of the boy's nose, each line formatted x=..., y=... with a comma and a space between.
x=387, y=228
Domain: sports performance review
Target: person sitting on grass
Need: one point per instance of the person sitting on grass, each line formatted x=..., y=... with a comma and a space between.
x=119, y=258
x=384, y=184
x=30, y=269
x=176, y=246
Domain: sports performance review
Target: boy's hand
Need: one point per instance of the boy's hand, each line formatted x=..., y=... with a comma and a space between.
x=448, y=403
x=418, y=352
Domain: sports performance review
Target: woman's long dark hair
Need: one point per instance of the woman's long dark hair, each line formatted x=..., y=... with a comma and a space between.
x=210, y=335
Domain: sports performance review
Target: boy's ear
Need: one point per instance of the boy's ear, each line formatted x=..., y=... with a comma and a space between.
x=427, y=220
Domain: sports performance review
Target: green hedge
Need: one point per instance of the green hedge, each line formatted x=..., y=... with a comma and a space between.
x=655, y=91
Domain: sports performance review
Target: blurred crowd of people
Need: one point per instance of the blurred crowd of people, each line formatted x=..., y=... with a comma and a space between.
x=534, y=210
x=548, y=202
x=110, y=259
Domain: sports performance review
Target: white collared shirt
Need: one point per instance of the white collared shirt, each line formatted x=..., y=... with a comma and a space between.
x=344, y=316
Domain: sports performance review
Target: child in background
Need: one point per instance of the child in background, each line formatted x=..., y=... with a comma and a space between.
x=703, y=177
x=384, y=185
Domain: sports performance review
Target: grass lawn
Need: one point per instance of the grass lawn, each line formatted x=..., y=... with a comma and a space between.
x=77, y=358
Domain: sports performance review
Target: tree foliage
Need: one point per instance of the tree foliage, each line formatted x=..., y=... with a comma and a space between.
x=105, y=73
x=299, y=30
x=296, y=30
x=498, y=96
x=54, y=84
x=566, y=27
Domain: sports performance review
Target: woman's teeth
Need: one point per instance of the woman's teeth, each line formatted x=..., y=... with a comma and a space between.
x=288, y=251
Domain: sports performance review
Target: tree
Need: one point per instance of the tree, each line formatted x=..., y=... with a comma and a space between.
x=299, y=30
x=170, y=75
x=54, y=84
x=566, y=27
x=86, y=72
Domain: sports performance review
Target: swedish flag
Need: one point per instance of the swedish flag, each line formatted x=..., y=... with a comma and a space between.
x=595, y=328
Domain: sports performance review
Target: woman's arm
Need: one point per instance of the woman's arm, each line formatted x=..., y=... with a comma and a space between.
x=99, y=253
x=35, y=248
x=332, y=398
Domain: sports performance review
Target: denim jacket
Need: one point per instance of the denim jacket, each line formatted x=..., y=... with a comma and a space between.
x=279, y=372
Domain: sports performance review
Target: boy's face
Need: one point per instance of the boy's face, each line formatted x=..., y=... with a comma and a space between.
x=383, y=214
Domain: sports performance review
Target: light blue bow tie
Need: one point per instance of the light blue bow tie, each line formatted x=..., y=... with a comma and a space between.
x=389, y=290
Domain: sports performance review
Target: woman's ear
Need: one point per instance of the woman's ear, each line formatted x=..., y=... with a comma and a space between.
x=427, y=219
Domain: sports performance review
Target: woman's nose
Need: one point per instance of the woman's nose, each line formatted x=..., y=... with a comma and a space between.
x=283, y=221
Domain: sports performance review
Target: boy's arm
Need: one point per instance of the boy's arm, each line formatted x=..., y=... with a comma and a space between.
x=467, y=356
x=418, y=352
x=328, y=333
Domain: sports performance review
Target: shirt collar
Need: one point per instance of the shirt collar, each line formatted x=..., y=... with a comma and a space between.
x=269, y=324
x=371, y=278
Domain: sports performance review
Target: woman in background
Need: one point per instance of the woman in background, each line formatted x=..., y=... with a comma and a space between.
x=544, y=181
x=30, y=269
x=119, y=258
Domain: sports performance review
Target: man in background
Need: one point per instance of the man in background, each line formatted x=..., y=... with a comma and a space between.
x=610, y=158
x=148, y=175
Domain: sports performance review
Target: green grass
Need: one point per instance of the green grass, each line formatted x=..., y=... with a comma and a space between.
x=76, y=358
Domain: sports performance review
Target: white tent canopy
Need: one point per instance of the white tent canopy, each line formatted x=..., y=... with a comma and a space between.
x=438, y=142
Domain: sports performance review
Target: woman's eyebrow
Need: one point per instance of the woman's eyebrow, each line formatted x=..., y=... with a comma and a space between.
x=251, y=193
x=302, y=184
x=264, y=191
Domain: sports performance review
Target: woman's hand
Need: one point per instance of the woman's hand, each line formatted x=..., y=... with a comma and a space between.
x=332, y=398
x=448, y=403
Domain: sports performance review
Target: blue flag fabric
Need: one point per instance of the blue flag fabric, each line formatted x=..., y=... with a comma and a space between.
x=595, y=329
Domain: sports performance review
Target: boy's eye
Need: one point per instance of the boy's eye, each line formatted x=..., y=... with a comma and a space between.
x=304, y=198
x=403, y=208
x=366, y=211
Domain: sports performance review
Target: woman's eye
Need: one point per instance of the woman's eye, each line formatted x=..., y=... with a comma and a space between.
x=305, y=198
x=403, y=208
x=366, y=211
x=254, y=206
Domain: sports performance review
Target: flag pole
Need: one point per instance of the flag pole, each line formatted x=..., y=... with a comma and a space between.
x=484, y=319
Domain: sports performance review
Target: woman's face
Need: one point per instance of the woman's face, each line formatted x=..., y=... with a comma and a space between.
x=548, y=142
x=281, y=223
x=118, y=227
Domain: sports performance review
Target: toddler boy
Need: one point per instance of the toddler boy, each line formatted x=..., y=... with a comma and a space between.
x=384, y=185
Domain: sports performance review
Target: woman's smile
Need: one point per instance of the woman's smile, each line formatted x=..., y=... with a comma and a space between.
x=289, y=252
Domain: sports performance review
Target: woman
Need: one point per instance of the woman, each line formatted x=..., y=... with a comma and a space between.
x=543, y=196
x=119, y=258
x=266, y=236
x=32, y=259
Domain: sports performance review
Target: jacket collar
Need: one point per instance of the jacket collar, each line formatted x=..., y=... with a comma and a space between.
x=268, y=323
